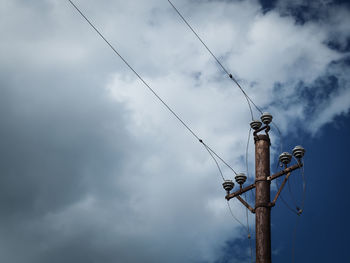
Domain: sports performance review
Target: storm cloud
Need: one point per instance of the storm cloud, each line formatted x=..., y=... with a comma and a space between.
x=94, y=169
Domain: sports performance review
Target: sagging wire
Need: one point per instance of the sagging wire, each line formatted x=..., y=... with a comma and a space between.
x=294, y=238
x=222, y=160
x=277, y=187
x=245, y=227
x=249, y=100
x=280, y=135
x=301, y=209
x=245, y=196
x=229, y=206
x=298, y=211
x=291, y=194
x=217, y=60
x=209, y=149
x=249, y=233
x=235, y=218
x=211, y=152
x=216, y=162
x=246, y=159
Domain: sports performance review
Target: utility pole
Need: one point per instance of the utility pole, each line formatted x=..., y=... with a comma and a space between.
x=263, y=178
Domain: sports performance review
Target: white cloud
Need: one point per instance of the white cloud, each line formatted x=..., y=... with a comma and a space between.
x=163, y=201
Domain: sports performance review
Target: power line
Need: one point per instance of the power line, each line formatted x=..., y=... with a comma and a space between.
x=249, y=234
x=222, y=160
x=154, y=93
x=246, y=159
x=234, y=217
x=249, y=100
x=294, y=238
x=304, y=188
x=216, y=162
x=218, y=61
x=281, y=196
x=244, y=226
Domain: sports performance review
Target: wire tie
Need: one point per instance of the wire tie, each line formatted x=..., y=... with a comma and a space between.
x=230, y=75
x=200, y=140
x=299, y=211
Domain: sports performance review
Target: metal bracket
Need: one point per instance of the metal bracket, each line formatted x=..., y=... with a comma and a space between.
x=262, y=180
x=285, y=171
x=239, y=192
x=251, y=209
x=262, y=137
x=280, y=190
x=268, y=205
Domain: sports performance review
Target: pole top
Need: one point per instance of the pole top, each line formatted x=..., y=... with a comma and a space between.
x=263, y=137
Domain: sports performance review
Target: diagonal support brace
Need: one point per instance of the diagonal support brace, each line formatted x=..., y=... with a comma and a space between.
x=280, y=190
x=251, y=209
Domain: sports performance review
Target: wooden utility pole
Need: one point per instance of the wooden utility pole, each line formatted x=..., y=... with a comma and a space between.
x=263, y=204
x=262, y=198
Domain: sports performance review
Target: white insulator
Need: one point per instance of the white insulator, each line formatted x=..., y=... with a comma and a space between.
x=255, y=125
x=240, y=178
x=298, y=152
x=285, y=158
x=266, y=118
x=228, y=185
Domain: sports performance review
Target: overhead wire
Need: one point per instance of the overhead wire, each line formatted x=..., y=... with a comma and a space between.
x=294, y=237
x=217, y=60
x=295, y=211
x=250, y=109
x=246, y=160
x=209, y=149
x=244, y=226
x=249, y=233
x=281, y=196
x=249, y=100
x=301, y=208
x=280, y=135
x=291, y=194
x=299, y=211
x=218, y=156
x=247, y=171
x=235, y=218
x=216, y=162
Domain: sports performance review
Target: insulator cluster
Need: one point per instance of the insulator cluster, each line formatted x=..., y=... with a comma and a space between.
x=255, y=125
x=240, y=178
x=265, y=118
x=228, y=184
x=298, y=152
x=285, y=158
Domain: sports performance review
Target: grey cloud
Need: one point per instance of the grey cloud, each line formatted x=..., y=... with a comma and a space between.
x=93, y=169
x=62, y=139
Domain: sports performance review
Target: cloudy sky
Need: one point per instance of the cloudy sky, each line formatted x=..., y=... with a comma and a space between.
x=94, y=169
